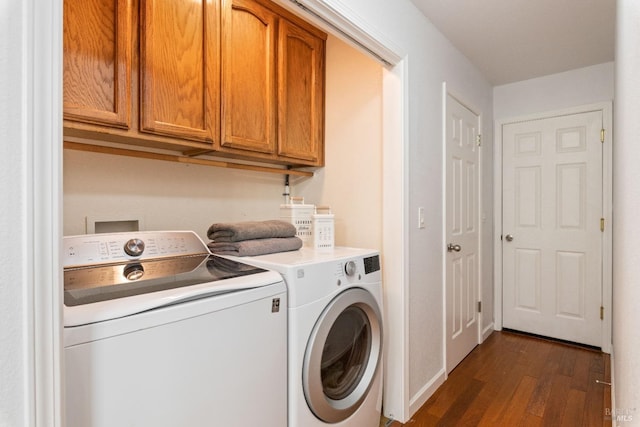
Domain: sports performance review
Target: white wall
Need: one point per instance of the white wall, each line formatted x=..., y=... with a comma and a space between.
x=13, y=230
x=163, y=195
x=554, y=92
x=168, y=195
x=351, y=181
x=626, y=234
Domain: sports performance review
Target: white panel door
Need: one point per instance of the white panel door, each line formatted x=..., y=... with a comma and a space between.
x=462, y=234
x=552, y=242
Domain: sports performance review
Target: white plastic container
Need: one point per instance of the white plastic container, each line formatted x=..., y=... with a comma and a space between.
x=323, y=228
x=300, y=215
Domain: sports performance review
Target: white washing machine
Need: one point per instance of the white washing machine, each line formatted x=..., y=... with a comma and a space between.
x=335, y=335
x=158, y=332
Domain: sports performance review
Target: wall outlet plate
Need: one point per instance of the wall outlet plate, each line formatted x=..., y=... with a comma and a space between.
x=113, y=224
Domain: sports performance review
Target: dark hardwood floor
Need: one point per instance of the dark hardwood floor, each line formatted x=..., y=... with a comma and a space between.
x=518, y=380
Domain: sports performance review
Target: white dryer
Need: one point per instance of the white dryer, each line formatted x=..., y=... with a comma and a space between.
x=334, y=335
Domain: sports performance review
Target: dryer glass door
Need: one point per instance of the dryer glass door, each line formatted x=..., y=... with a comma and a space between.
x=343, y=355
x=346, y=353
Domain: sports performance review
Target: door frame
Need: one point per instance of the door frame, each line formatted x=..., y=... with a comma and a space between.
x=607, y=209
x=447, y=91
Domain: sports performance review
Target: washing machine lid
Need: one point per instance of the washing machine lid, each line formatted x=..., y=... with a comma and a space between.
x=103, y=281
x=99, y=283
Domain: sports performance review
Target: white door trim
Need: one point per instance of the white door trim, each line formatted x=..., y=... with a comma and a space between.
x=40, y=47
x=607, y=208
x=447, y=91
x=395, y=244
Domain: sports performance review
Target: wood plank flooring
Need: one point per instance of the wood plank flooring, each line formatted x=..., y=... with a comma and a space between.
x=518, y=380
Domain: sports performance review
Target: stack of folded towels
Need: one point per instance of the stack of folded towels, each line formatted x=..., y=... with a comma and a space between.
x=251, y=238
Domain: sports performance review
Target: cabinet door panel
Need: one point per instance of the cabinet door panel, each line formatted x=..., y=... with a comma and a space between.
x=178, y=64
x=300, y=94
x=248, y=76
x=97, y=61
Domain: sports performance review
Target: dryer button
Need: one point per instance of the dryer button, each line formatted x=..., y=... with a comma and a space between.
x=350, y=268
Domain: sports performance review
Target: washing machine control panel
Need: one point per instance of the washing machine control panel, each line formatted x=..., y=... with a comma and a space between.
x=96, y=249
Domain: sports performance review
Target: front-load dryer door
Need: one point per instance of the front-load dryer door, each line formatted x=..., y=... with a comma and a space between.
x=342, y=355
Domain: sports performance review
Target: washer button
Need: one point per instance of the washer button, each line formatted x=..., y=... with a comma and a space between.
x=134, y=247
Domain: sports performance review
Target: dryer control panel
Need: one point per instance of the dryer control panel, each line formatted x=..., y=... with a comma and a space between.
x=371, y=264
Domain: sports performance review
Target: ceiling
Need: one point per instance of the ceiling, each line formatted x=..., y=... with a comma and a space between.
x=513, y=40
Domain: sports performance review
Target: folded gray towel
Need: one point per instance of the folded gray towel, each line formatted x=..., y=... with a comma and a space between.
x=249, y=230
x=256, y=247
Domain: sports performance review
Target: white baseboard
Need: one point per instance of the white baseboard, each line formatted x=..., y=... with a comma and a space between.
x=613, y=380
x=487, y=331
x=426, y=392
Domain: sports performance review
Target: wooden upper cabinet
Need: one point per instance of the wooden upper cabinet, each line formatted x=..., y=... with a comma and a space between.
x=179, y=68
x=300, y=94
x=97, y=41
x=248, y=76
x=241, y=78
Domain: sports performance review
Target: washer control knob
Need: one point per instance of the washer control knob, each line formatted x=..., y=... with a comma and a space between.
x=134, y=247
x=133, y=272
x=350, y=268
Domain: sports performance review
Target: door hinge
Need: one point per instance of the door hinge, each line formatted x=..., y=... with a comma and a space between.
x=479, y=140
x=479, y=306
x=601, y=313
x=602, y=135
x=602, y=224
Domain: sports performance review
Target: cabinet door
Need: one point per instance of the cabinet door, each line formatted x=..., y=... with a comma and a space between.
x=248, y=76
x=300, y=94
x=97, y=61
x=179, y=63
